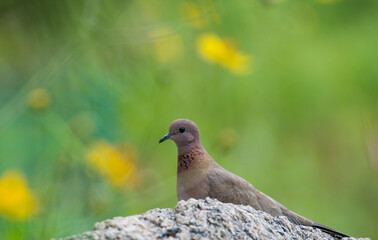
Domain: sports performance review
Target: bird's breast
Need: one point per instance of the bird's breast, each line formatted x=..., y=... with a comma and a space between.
x=192, y=185
x=193, y=167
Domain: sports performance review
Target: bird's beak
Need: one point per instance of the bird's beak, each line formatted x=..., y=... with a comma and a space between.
x=166, y=136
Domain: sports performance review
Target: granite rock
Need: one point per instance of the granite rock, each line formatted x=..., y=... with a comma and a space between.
x=200, y=219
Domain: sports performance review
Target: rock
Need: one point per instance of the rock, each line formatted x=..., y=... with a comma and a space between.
x=200, y=219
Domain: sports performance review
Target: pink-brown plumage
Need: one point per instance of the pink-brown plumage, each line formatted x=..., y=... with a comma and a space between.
x=199, y=176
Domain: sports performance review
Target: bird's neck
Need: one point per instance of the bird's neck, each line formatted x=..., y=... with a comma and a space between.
x=189, y=157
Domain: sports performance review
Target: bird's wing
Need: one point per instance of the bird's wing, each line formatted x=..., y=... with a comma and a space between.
x=228, y=187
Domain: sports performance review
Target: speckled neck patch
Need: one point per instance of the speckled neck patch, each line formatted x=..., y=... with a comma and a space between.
x=186, y=160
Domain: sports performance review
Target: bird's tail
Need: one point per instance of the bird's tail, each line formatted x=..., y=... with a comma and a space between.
x=334, y=233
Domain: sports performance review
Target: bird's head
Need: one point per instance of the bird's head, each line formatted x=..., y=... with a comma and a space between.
x=183, y=132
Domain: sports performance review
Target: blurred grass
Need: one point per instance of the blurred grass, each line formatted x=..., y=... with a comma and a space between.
x=304, y=122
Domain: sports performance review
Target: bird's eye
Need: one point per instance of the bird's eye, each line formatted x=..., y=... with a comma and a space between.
x=181, y=129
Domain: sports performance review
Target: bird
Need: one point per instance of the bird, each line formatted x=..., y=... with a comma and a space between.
x=200, y=176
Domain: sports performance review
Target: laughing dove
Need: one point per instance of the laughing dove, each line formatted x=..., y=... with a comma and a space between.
x=199, y=176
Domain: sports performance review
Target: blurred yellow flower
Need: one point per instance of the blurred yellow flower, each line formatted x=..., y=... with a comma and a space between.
x=116, y=164
x=167, y=45
x=39, y=98
x=216, y=50
x=194, y=15
x=83, y=124
x=200, y=16
x=227, y=138
x=16, y=199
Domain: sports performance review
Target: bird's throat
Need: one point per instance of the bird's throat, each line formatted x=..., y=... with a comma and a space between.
x=189, y=158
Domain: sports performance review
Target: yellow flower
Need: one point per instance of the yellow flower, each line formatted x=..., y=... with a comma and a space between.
x=83, y=124
x=39, y=98
x=116, y=164
x=218, y=51
x=16, y=200
x=167, y=45
x=200, y=16
x=227, y=138
x=194, y=15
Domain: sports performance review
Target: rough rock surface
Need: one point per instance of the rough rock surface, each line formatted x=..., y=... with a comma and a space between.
x=200, y=219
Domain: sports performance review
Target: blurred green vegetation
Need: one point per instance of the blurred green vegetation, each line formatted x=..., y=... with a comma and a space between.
x=301, y=126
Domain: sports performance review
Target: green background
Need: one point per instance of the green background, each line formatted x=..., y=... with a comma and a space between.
x=305, y=121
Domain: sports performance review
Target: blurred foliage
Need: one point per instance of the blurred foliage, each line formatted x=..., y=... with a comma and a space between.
x=285, y=93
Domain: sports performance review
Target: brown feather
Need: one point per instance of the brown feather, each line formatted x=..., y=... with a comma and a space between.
x=199, y=176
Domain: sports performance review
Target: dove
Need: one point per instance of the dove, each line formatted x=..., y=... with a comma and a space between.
x=199, y=176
